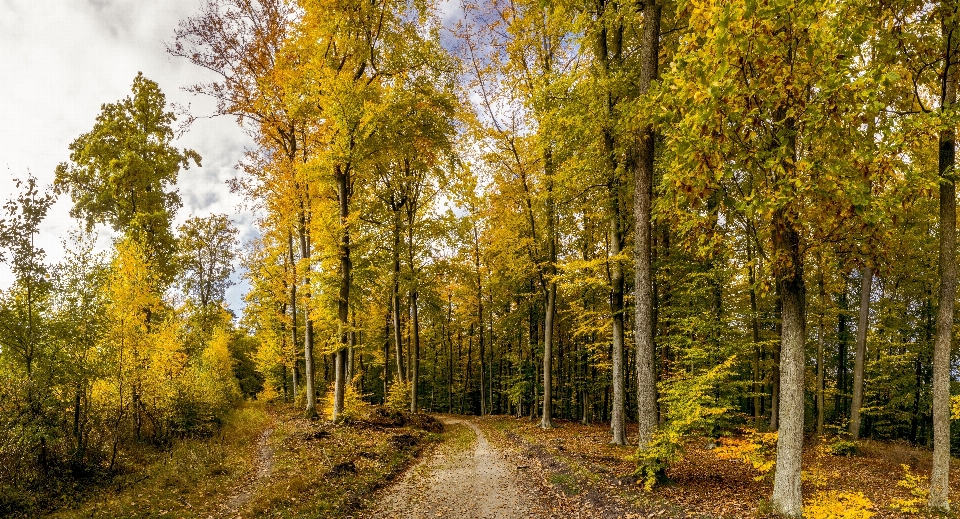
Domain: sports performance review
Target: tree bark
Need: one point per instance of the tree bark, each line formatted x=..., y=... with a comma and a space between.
x=414, y=351
x=939, y=474
x=342, y=177
x=546, y=421
x=786, y=498
x=311, y=388
x=643, y=267
x=293, y=314
x=821, y=412
x=858, y=365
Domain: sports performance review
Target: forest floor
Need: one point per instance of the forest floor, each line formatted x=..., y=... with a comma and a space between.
x=583, y=475
x=264, y=462
x=270, y=462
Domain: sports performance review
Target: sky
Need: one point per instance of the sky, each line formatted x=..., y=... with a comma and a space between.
x=62, y=59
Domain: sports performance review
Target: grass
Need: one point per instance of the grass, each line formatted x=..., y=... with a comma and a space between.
x=315, y=469
x=185, y=481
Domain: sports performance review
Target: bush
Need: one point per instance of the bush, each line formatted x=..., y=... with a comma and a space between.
x=919, y=488
x=838, y=505
x=692, y=406
x=840, y=446
x=398, y=397
x=354, y=406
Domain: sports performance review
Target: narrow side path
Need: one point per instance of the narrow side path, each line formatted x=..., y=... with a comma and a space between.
x=262, y=470
x=465, y=479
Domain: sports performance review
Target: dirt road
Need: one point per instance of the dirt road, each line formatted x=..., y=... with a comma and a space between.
x=466, y=478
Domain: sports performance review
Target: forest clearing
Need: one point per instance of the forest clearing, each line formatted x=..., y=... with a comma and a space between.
x=505, y=258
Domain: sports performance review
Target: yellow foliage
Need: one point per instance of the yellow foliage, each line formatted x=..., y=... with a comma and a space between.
x=354, y=406
x=838, y=505
x=398, y=397
x=919, y=488
x=757, y=450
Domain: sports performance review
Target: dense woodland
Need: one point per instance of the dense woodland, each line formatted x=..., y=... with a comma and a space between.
x=696, y=215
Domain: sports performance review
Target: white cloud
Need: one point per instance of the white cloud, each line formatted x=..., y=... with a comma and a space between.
x=63, y=59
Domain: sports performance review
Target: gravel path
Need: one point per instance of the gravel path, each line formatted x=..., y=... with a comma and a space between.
x=467, y=483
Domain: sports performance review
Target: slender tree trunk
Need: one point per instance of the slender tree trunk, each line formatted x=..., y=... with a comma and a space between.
x=386, y=355
x=342, y=176
x=293, y=315
x=311, y=388
x=755, y=329
x=940, y=473
x=414, y=351
x=775, y=382
x=858, y=365
x=821, y=412
x=546, y=421
x=395, y=302
x=840, y=402
x=643, y=267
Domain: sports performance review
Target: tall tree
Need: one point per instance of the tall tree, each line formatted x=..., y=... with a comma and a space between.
x=123, y=171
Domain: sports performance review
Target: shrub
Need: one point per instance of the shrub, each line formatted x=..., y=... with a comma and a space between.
x=354, y=406
x=758, y=449
x=919, y=488
x=692, y=406
x=840, y=446
x=398, y=397
x=838, y=505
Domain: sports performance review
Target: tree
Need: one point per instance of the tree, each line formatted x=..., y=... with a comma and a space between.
x=206, y=249
x=122, y=172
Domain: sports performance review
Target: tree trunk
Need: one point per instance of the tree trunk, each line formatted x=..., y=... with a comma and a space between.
x=755, y=330
x=787, y=499
x=546, y=421
x=386, y=355
x=858, y=365
x=643, y=267
x=342, y=176
x=775, y=382
x=311, y=388
x=395, y=302
x=821, y=412
x=939, y=474
x=293, y=314
x=414, y=351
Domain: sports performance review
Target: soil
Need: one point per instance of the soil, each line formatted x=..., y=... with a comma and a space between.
x=472, y=482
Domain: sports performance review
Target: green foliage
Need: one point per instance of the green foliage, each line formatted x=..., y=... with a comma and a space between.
x=123, y=171
x=840, y=446
x=692, y=406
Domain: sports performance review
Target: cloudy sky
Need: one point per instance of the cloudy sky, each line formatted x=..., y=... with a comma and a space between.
x=61, y=59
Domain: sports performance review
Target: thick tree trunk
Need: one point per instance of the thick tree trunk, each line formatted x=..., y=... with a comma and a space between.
x=342, y=176
x=786, y=498
x=939, y=474
x=858, y=365
x=643, y=268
